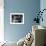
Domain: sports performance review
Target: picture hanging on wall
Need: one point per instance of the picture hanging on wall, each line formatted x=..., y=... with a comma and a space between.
x=16, y=18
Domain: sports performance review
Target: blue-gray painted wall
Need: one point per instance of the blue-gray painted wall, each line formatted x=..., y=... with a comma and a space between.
x=29, y=8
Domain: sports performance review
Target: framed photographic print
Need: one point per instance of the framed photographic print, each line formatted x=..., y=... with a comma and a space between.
x=16, y=18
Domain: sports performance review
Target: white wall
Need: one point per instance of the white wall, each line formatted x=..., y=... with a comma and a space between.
x=1, y=21
x=43, y=6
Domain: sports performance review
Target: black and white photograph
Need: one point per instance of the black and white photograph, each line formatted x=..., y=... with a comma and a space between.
x=16, y=18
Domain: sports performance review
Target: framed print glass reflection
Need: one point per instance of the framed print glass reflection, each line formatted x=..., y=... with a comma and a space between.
x=16, y=18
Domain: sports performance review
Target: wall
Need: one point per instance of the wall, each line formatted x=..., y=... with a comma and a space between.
x=43, y=6
x=1, y=21
x=29, y=8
